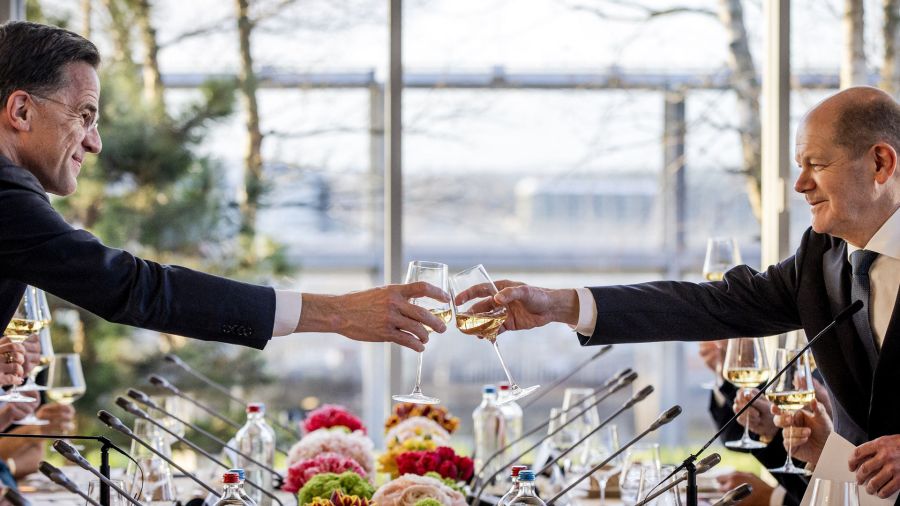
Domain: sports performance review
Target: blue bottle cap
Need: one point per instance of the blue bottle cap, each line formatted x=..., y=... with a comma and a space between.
x=489, y=389
x=240, y=473
x=526, y=475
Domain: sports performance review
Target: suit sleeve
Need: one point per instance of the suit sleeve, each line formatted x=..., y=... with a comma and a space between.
x=39, y=248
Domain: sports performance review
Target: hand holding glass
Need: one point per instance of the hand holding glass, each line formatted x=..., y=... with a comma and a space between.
x=791, y=392
x=746, y=366
x=26, y=320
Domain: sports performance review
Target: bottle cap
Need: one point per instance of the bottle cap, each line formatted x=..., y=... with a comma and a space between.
x=240, y=473
x=489, y=389
x=256, y=407
x=231, y=478
x=504, y=387
x=517, y=469
x=526, y=475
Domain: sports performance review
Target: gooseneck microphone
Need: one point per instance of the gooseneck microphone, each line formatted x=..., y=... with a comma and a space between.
x=132, y=408
x=613, y=385
x=544, y=391
x=735, y=495
x=147, y=401
x=117, y=425
x=58, y=477
x=166, y=385
x=688, y=463
x=224, y=390
x=666, y=417
x=72, y=455
x=705, y=464
x=13, y=497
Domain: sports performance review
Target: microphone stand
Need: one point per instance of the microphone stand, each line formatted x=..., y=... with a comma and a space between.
x=666, y=417
x=688, y=463
x=58, y=477
x=704, y=465
x=105, y=445
x=71, y=454
x=221, y=388
x=544, y=391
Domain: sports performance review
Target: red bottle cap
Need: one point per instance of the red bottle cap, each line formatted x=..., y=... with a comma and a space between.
x=516, y=469
x=504, y=387
x=231, y=478
x=255, y=407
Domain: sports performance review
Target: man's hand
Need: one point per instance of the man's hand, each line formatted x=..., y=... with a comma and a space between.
x=60, y=416
x=877, y=465
x=713, y=354
x=12, y=357
x=758, y=417
x=762, y=491
x=805, y=431
x=378, y=314
x=32, y=347
x=13, y=411
x=530, y=307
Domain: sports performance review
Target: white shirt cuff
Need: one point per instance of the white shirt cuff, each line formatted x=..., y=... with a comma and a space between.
x=288, y=305
x=587, y=312
x=777, y=497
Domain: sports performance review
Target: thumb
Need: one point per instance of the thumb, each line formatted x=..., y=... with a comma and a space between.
x=510, y=294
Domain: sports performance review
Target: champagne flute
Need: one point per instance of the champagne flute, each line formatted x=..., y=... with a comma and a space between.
x=746, y=366
x=25, y=321
x=722, y=253
x=436, y=274
x=477, y=314
x=792, y=391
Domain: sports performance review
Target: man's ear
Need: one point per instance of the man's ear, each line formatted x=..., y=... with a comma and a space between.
x=885, y=158
x=18, y=111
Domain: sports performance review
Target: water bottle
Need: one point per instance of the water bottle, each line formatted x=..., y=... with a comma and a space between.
x=243, y=493
x=512, y=414
x=257, y=439
x=526, y=495
x=490, y=430
x=514, y=490
x=231, y=495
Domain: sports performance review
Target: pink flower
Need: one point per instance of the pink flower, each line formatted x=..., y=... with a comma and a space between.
x=354, y=445
x=301, y=471
x=409, y=489
x=331, y=415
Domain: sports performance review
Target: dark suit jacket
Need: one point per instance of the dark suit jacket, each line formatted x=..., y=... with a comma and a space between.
x=805, y=291
x=37, y=247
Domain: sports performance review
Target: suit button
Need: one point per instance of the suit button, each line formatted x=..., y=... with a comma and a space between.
x=227, y=329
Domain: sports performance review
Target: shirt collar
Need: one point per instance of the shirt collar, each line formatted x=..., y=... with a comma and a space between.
x=886, y=241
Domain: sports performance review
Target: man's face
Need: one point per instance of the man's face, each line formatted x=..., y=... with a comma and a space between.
x=63, y=131
x=838, y=188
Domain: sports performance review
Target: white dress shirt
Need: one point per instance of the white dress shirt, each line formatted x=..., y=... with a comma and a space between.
x=288, y=305
x=884, y=278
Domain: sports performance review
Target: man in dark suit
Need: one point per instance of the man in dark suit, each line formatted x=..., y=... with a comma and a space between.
x=50, y=93
x=847, y=151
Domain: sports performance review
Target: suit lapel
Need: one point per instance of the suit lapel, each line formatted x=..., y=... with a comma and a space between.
x=884, y=418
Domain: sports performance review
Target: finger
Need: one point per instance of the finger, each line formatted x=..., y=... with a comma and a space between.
x=423, y=289
x=412, y=326
x=889, y=488
x=513, y=293
x=862, y=453
x=406, y=339
x=474, y=292
x=878, y=480
x=506, y=283
x=867, y=470
x=424, y=316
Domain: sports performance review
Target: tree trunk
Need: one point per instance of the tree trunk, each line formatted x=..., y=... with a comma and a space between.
x=853, y=59
x=253, y=184
x=121, y=37
x=890, y=69
x=746, y=84
x=86, y=19
x=153, y=86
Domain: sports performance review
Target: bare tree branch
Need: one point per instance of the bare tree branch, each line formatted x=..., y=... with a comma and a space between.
x=218, y=26
x=643, y=12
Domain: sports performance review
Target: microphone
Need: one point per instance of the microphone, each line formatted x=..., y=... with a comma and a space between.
x=664, y=418
x=72, y=455
x=117, y=425
x=174, y=359
x=704, y=465
x=132, y=408
x=639, y=396
x=611, y=386
x=13, y=497
x=57, y=476
x=735, y=495
x=147, y=401
x=544, y=391
x=688, y=463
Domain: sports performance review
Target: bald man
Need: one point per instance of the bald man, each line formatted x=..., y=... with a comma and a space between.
x=847, y=153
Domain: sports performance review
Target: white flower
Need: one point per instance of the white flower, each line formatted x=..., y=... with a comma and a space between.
x=418, y=426
x=353, y=445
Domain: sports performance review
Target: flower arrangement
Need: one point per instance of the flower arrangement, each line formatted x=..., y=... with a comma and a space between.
x=428, y=502
x=324, y=485
x=302, y=471
x=332, y=415
x=443, y=461
x=387, y=462
x=417, y=427
x=338, y=498
x=353, y=445
x=438, y=414
x=410, y=489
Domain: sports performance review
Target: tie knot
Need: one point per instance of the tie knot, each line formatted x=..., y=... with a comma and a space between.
x=861, y=260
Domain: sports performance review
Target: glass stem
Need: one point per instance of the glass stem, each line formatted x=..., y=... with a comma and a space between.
x=603, y=492
x=789, y=462
x=418, y=388
x=747, y=423
x=512, y=383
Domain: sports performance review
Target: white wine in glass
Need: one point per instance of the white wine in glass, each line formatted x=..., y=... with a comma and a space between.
x=792, y=391
x=746, y=366
x=721, y=255
x=65, y=383
x=478, y=315
x=436, y=274
x=27, y=320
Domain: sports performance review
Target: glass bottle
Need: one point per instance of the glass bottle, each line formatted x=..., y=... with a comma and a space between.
x=527, y=494
x=514, y=489
x=243, y=493
x=257, y=439
x=490, y=430
x=231, y=494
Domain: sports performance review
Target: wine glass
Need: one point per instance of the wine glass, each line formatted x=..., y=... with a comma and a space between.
x=31, y=385
x=722, y=254
x=477, y=314
x=791, y=391
x=576, y=400
x=641, y=470
x=834, y=493
x=115, y=498
x=746, y=366
x=25, y=321
x=436, y=274
x=150, y=480
x=603, y=445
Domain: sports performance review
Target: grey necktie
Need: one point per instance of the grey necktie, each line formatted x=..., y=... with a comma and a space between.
x=861, y=261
